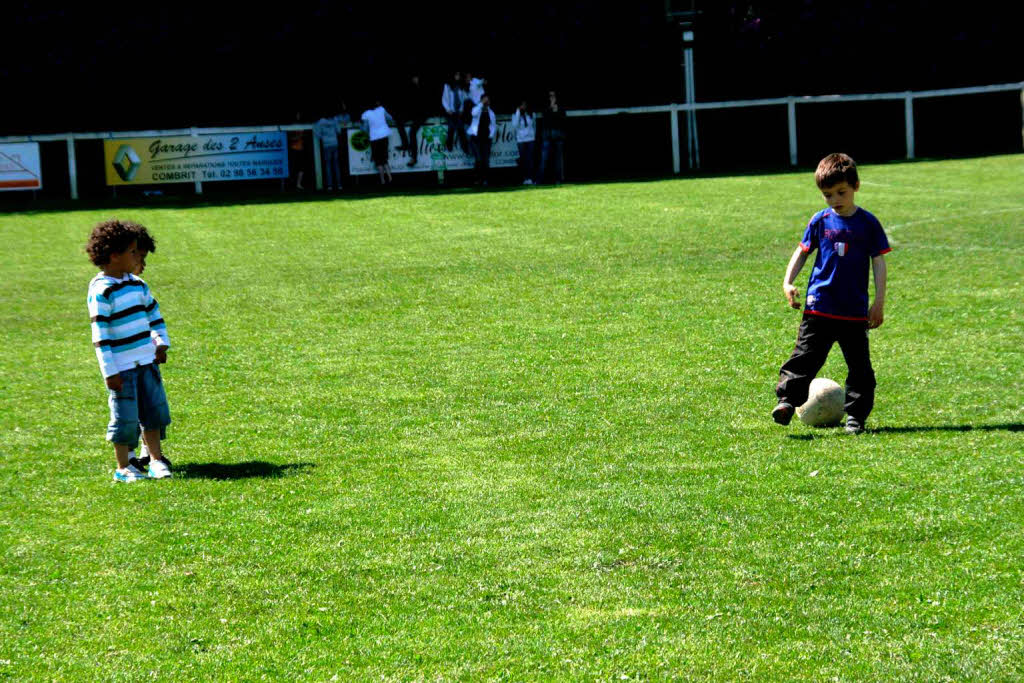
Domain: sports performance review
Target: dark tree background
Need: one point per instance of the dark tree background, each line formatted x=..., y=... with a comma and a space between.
x=90, y=67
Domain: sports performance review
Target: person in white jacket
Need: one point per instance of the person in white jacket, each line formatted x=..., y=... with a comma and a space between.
x=482, y=129
x=525, y=125
x=476, y=87
x=452, y=98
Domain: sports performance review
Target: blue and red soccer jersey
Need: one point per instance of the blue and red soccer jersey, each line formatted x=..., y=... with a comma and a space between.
x=838, y=287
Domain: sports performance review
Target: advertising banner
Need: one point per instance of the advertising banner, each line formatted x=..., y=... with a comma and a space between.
x=19, y=166
x=433, y=154
x=204, y=158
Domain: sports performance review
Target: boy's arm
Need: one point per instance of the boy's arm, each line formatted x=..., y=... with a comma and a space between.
x=796, y=262
x=876, y=314
x=157, y=328
x=99, y=317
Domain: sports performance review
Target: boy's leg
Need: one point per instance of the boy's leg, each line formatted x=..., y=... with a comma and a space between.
x=860, y=381
x=123, y=428
x=813, y=342
x=154, y=413
x=152, y=438
x=121, y=453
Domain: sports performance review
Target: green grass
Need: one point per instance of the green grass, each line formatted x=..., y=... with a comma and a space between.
x=522, y=435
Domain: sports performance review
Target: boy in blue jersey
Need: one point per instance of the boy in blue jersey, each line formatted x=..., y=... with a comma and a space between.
x=848, y=240
x=124, y=316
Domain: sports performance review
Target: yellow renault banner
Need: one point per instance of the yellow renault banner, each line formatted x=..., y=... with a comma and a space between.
x=204, y=158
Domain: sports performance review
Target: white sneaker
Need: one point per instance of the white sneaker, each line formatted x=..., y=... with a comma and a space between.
x=128, y=475
x=158, y=469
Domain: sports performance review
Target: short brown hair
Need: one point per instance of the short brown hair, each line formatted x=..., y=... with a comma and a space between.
x=834, y=169
x=110, y=237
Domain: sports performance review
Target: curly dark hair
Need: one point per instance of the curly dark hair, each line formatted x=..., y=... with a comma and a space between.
x=146, y=243
x=111, y=237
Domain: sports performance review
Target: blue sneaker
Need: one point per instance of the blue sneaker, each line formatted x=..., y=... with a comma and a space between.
x=160, y=469
x=130, y=474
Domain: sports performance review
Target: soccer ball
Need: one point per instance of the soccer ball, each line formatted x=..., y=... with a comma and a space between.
x=824, y=406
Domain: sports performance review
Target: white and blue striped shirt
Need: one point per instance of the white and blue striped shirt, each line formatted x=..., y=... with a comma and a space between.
x=124, y=317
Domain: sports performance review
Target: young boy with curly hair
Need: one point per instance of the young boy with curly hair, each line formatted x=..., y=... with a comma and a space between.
x=146, y=245
x=124, y=318
x=848, y=239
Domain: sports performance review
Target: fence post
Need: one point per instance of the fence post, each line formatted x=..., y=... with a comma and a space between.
x=908, y=117
x=676, y=162
x=791, y=115
x=317, y=166
x=199, y=183
x=72, y=166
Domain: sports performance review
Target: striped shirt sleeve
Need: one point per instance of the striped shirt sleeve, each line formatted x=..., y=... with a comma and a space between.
x=99, y=314
x=157, y=326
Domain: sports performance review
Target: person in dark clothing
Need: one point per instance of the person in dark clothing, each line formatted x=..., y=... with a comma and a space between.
x=414, y=110
x=482, y=130
x=553, y=140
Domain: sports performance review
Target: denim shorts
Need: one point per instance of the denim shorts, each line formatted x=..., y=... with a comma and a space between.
x=141, y=400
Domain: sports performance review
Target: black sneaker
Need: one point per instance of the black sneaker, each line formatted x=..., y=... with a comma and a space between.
x=782, y=413
x=854, y=426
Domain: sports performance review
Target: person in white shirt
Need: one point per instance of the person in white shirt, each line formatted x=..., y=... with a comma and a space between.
x=376, y=123
x=452, y=98
x=482, y=130
x=476, y=87
x=525, y=125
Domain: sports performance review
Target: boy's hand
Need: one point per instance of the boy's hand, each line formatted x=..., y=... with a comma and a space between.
x=114, y=382
x=876, y=315
x=793, y=295
x=161, y=355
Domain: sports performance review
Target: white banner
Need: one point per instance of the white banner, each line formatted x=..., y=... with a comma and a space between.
x=19, y=166
x=433, y=154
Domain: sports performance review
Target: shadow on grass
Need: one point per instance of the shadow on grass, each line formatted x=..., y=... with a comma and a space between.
x=237, y=470
x=916, y=429
x=1008, y=427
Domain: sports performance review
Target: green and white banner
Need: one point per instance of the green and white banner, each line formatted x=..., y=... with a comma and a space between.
x=433, y=153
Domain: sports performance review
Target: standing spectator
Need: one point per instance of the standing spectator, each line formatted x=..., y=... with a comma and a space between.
x=452, y=98
x=553, y=140
x=475, y=85
x=326, y=130
x=482, y=130
x=525, y=125
x=467, y=101
x=343, y=118
x=297, y=153
x=414, y=108
x=376, y=122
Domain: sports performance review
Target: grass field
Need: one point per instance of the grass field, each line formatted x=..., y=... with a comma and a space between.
x=522, y=434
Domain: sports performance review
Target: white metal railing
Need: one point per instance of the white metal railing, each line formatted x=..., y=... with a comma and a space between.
x=673, y=110
x=908, y=111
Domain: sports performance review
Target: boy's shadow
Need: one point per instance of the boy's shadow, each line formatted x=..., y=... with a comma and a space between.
x=912, y=429
x=237, y=470
x=1008, y=427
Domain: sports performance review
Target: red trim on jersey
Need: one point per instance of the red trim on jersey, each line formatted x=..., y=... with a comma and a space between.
x=807, y=311
x=804, y=248
x=884, y=251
